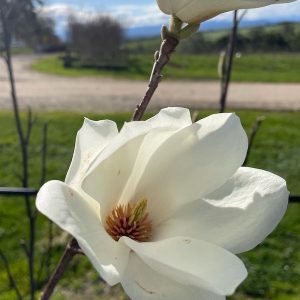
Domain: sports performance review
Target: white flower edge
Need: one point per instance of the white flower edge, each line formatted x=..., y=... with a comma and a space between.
x=197, y=11
x=80, y=217
x=70, y=207
x=192, y=262
x=182, y=165
x=94, y=136
x=142, y=282
x=176, y=258
x=238, y=216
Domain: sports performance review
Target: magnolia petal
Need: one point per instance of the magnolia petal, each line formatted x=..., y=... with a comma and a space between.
x=171, y=7
x=237, y=217
x=109, y=173
x=70, y=211
x=171, y=117
x=91, y=139
x=187, y=165
x=142, y=282
x=197, y=11
x=192, y=262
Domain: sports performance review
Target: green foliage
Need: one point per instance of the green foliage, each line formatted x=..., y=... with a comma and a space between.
x=247, y=68
x=274, y=266
x=273, y=38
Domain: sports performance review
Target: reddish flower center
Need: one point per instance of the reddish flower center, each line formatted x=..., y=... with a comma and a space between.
x=131, y=221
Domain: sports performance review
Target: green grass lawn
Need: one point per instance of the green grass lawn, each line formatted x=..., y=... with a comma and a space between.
x=248, y=68
x=274, y=266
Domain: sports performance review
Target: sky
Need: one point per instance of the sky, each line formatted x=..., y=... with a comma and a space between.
x=140, y=13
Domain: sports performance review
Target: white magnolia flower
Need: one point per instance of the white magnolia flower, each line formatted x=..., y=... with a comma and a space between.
x=197, y=11
x=164, y=205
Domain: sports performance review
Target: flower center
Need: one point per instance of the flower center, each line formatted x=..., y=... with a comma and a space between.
x=131, y=221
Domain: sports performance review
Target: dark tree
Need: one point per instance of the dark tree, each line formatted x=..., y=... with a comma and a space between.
x=16, y=16
x=19, y=19
x=44, y=36
x=97, y=42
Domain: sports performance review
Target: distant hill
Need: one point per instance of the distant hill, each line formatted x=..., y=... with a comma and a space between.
x=263, y=37
x=153, y=31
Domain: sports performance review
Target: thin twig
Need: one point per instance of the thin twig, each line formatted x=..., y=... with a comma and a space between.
x=195, y=116
x=228, y=63
x=11, y=280
x=43, y=179
x=166, y=49
x=44, y=154
x=71, y=250
x=255, y=128
x=32, y=221
x=241, y=17
x=30, y=123
x=25, y=248
x=18, y=176
x=49, y=250
x=23, y=138
x=46, y=259
x=41, y=268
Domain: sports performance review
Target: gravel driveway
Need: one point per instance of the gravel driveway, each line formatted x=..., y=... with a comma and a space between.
x=48, y=92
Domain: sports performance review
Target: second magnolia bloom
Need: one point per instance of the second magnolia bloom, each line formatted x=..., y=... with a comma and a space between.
x=164, y=205
x=197, y=11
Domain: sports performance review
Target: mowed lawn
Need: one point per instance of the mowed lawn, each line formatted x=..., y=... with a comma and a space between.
x=259, y=67
x=274, y=266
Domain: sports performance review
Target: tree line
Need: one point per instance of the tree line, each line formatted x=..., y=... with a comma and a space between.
x=257, y=39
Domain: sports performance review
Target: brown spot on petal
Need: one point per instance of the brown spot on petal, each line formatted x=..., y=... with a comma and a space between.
x=187, y=241
x=147, y=291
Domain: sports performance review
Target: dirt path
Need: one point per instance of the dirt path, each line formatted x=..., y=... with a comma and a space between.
x=47, y=92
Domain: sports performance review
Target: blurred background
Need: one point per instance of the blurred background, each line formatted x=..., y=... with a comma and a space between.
x=63, y=60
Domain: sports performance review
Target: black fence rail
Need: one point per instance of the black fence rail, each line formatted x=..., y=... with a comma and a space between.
x=15, y=191
x=295, y=199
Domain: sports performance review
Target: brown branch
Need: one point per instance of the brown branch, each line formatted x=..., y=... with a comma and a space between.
x=30, y=123
x=161, y=59
x=46, y=259
x=255, y=128
x=71, y=250
x=11, y=280
x=228, y=62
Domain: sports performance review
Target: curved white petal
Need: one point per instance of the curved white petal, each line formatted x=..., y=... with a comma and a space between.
x=238, y=216
x=192, y=262
x=171, y=117
x=190, y=163
x=91, y=139
x=110, y=172
x=70, y=211
x=142, y=282
x=196, y=11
